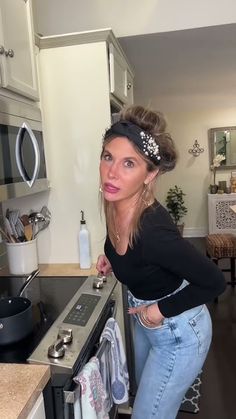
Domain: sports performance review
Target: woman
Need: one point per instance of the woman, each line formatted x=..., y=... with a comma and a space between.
x=168, y=280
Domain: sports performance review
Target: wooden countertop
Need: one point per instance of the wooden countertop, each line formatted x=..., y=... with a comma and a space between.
x=20, y=387
x=65, y=269
x=60, y=269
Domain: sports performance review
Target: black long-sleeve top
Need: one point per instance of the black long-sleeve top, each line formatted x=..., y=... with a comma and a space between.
x=159, y=261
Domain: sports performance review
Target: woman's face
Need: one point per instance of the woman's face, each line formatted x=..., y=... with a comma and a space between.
x=123, y=171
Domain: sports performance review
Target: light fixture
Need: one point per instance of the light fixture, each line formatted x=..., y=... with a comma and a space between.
x=196, y=150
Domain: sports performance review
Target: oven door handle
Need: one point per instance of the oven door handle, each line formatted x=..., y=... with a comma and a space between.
x=69, y=396
x=72, y=403
x=114, y=307
x=19, y=158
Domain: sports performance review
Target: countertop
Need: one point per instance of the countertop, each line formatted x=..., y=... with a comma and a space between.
x=60, y=269
x=20, y=386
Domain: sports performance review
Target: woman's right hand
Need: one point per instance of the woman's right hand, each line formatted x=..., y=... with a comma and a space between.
x=103, y=265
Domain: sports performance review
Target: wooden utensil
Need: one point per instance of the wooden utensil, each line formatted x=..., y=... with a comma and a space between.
x=5, y=235
x=28, y=232
x=25, y=219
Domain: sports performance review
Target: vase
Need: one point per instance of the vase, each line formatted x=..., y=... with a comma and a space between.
x=181, y=228
x=213, y=189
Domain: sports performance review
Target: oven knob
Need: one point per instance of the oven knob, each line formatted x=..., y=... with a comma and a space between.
x=56, y=350
x=65, y=335
x=102, y=277
x=97, y=283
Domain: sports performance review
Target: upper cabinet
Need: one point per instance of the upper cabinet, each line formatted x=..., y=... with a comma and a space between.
x=17, y=57
x=116, y=68
x=121, y=78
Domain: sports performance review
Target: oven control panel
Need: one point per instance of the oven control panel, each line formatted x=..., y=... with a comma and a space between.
x=77, y=328
x=82, y=310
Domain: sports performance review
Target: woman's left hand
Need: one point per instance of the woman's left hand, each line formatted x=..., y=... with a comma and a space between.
x=149, y=312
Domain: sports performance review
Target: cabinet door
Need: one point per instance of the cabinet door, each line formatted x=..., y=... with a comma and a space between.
x=38, y=410
x=130, y=89
x=221, y=217
x=17, y=59
x=118, y=74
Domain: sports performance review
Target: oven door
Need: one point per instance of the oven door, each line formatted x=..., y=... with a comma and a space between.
x=72, y=391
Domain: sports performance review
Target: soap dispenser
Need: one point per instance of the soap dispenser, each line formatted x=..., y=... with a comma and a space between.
x=84, y=244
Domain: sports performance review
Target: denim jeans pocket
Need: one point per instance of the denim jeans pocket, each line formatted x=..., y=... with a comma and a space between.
x=201, y=326
x=159, y=326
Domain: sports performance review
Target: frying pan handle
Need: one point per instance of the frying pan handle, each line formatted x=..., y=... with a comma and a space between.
x=28, y=280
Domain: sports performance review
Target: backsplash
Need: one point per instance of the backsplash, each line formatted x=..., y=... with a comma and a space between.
x=3, y=256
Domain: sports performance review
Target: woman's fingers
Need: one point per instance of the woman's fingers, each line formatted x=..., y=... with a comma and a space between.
x=134, y=310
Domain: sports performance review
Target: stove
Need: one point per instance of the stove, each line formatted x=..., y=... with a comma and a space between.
x=49, y=297
x=75, y=327
x=69, y=316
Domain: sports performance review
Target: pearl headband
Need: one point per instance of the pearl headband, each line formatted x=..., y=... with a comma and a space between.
x=144, y=141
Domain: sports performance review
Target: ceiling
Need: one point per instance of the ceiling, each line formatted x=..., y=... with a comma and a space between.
x=190, y=62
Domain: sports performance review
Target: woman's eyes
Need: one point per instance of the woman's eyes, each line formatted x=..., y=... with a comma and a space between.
x=106, y=157
x=127, y=163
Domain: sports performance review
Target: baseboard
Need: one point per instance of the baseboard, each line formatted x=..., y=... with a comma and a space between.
x=195, y=231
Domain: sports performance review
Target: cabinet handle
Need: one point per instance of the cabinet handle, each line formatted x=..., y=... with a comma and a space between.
x=2, y=50
x=9, y=53
x=129, y=85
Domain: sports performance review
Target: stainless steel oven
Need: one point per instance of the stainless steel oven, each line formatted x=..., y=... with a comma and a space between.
x=83, y=320
x=69, y=315
x=22, y=156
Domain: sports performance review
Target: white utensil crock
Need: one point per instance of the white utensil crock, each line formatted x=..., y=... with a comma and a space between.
x=22, y=257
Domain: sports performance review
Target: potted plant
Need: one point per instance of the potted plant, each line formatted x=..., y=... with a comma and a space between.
x=175, y=206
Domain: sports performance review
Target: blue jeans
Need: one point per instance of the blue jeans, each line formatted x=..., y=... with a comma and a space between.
x=168, y=358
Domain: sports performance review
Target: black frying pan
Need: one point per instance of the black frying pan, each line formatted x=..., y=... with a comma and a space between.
x=16, y=315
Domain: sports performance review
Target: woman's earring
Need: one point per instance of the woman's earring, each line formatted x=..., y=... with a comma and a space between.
x=100, y=189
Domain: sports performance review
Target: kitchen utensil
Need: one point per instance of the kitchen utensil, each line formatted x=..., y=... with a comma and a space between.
x=42, y=225
x=35, y=218
x=28, y=232
x=45, y=211
x=9, y=230
x=25, y=219
x=20, y=229
x=16, y=317
x=6, y=235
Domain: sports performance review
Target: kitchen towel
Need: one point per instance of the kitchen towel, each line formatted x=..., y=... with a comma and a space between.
x=92, y=391
x=113, y=365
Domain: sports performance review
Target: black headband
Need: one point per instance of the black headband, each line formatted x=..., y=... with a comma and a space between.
x=144, y=141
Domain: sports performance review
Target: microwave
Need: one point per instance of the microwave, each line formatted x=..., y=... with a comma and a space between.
x=22, y=158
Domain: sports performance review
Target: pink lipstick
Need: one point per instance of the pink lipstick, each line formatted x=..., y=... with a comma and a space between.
x=108, y=187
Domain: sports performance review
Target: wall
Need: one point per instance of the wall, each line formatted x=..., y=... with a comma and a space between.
x=188, y=119
x=130, y=17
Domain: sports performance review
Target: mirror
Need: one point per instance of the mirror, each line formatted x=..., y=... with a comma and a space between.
x=222, y=140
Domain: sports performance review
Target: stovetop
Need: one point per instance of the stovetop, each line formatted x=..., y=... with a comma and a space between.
x=83, y=319
x=49, y=297
x=60, y=304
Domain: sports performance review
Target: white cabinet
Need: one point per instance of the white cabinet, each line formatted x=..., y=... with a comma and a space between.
x=121, y=79
x=221, y=217
x=38, y=410
x=75, y=100
x=17, y=58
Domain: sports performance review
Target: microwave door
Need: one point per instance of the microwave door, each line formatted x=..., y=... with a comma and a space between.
x=20, y=157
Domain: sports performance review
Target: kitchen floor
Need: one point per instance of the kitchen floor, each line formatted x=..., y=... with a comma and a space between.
x=218, y=400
